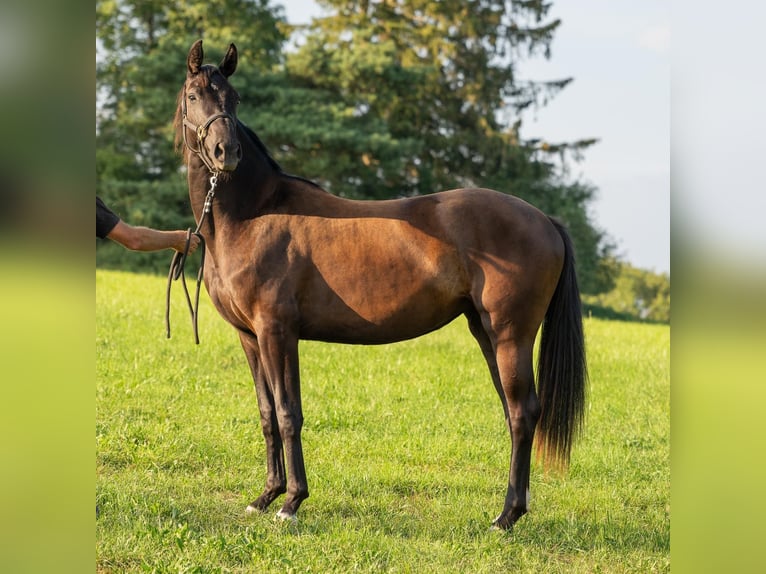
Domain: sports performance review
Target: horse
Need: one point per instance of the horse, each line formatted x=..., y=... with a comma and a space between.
x=289, y=261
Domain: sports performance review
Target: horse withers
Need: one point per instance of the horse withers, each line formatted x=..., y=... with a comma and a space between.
x=289, y=261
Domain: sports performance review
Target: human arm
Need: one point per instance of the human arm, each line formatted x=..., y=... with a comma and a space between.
x=138, y=238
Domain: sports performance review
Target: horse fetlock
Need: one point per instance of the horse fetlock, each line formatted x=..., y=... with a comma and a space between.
x=508, y=518
x=268, y=496
x=294, y=500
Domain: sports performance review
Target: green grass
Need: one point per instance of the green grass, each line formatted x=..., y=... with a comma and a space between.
x=406, y=453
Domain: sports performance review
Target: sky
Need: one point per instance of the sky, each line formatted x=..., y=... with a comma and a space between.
x=619, y=56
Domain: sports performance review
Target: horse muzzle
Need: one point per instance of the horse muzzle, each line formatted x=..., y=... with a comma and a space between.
x=226, y=156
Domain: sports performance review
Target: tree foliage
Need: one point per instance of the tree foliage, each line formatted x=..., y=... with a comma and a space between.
x=383, y=98
x=637, y=294
x=429, y=89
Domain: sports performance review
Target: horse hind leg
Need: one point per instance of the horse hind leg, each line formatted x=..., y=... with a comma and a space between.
x=487, y=348
x=511, y=367
x=518, y=386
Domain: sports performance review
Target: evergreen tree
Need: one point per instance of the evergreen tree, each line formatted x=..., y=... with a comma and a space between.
x=431, y=84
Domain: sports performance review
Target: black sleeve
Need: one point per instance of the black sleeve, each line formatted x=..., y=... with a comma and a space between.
x=105, y=219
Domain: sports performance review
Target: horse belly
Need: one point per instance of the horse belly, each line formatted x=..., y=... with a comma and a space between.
x=384, y=301
x=352, y=327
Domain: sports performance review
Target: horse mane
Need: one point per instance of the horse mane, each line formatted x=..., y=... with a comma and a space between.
x=178, y=125
x=261, y=146
x=272, y=162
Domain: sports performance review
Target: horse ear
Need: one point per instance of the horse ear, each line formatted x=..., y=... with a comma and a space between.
x=229, y=62
x=194, y=60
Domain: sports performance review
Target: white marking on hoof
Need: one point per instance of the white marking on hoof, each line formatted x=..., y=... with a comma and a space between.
x=285, y=517
x=494, y=527
x=251, y=509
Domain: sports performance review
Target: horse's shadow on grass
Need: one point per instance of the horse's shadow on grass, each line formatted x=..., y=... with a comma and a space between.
x=537, y=529
x=421, y=515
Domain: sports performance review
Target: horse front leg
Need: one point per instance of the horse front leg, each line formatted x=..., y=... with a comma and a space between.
x=279, y=355
x=276, y=480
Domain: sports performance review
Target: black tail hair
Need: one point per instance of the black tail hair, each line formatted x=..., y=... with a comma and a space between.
x=562, y=373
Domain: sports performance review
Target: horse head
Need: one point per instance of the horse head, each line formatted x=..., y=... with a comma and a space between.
x=208, y=109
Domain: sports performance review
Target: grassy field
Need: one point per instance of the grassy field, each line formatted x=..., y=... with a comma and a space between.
x=406, y=454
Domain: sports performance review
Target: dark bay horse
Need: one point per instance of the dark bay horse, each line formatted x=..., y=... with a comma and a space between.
x=288, y=261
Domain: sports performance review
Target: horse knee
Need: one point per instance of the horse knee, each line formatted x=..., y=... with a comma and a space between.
x=270, y=433
x=290, y=426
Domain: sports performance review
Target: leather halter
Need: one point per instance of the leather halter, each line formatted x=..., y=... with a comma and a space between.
x=201, y=131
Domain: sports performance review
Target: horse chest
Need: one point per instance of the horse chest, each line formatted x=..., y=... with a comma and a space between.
x=228, y=302
x=241, y=294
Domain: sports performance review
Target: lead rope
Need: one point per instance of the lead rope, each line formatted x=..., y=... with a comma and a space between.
x=179, y=260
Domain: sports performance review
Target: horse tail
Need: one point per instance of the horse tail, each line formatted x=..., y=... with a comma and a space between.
x=562, y=372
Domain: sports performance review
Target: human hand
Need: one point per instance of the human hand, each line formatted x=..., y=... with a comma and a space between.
x=180, y=242
x=193, y=243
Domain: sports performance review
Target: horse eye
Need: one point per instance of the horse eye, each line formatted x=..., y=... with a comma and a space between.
x=192, y=98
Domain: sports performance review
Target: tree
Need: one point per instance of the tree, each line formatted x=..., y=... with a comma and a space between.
x=638, y=294
x=434, y=80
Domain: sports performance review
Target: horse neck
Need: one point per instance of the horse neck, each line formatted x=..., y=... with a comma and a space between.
x=239, y=195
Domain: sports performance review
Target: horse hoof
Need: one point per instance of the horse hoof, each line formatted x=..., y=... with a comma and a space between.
x=252, y=509
x=499, y=525
x=285, y=517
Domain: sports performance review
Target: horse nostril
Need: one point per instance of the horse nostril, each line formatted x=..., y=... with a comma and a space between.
x=218, y=151
x=239, y=151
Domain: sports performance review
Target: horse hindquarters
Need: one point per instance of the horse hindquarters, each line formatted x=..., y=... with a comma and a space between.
x=514, y=299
